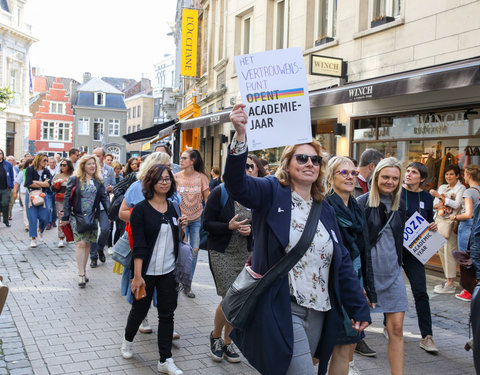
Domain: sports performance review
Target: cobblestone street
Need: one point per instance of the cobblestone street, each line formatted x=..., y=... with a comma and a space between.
x=50, y=326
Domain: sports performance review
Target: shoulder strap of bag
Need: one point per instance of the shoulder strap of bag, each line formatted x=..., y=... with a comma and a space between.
x=223, y=195
x=296, y=253
x=386, y=225
x=179, y=213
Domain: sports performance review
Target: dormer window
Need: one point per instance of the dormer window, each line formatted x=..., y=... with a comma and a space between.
x=100, y=98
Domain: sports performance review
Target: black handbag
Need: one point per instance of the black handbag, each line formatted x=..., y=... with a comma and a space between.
x=85, y=221
x=239, y=303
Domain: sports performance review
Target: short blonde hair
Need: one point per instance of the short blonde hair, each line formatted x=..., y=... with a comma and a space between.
x=80, y=172
x=152, y=159
x=374, y=196
x=332, y=166
x=318, y=187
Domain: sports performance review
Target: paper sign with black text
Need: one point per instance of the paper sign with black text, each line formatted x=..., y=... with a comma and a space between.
x=273, y=85
x=419, y=240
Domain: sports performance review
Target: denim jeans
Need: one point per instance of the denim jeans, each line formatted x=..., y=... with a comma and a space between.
x=103, y=236
x=193, y=236
x=50, y=203
x=464, y=231
x=415, y=271
x=166, y=288
x=34, y=214
x=307, y=330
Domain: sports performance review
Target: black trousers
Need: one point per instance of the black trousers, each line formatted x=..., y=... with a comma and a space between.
x=474, y=316
x=4, y=203
x=166, y=287
x=415, y=271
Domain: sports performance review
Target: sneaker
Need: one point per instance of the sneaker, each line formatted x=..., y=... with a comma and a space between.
x=216, y=348
x=127, y=349
x=352, y=369
x=230, y=354
x=40, y=236
x=101, y=256
x=464, y=296
x=428, y=345
x=145, y=327
x=61, y=244
x=385, y=332
x=110, y=251
x=363, y=349
x=444, y=289
x=168, y=367
x=175, y=336
x=33, y=243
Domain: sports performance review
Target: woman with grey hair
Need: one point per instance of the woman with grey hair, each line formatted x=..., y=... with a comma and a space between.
x=385, y=222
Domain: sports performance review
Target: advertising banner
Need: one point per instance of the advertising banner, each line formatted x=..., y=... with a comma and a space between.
x=188, y=61
x=273, y=85
x=419, y=240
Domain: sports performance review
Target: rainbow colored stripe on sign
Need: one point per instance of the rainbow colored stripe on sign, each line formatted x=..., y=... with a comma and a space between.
x=290, y=93
x=418, y=238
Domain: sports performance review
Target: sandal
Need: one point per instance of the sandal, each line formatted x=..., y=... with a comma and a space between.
x=81, y=281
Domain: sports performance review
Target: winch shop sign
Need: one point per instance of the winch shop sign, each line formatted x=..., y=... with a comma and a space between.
x=273, y=85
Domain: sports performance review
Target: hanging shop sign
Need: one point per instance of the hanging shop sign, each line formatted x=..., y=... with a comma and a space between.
x=327, y=66
x=273, y=85
x=188, y=61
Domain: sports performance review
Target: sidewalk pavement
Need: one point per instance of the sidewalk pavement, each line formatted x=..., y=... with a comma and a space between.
x=50, y=326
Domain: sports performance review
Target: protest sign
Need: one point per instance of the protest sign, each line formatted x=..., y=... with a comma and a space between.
x=420, y=241
x=273, y=85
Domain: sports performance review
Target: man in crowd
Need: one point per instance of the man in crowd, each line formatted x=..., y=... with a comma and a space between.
x=108, y=159
x=96, y=248
x=12, y=161
x=6, y=185
x=74, y=155
x=58, y=157
x=368, y=161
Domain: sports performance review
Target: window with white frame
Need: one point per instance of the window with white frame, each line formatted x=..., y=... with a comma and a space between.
x=56, y=131
x=83, y=126
x=326, y=19
x=280, y=26
x=246, y=34
x=113, y=127
x=13, y=86
x=100, y=98
x=115, y=151
x=220, y=28
x=56, y=107
x=98, y=129
x=384, y=8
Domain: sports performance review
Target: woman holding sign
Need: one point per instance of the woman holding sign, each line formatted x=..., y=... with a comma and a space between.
x=385, y=222
x=297, y=317
x=415, y=199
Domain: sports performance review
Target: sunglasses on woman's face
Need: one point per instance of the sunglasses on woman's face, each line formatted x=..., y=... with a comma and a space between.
x=249, y=166
x=345, y=173
x=303, y=159
x=63, y=165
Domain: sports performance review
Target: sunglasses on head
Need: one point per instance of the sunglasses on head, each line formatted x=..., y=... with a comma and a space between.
x=249, y=166
x=303, y=159
x=345, y=173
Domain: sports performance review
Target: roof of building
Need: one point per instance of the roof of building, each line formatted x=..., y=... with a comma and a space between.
x=97, y=84
x=86, y=99
x=121, y=84
x=65, y=81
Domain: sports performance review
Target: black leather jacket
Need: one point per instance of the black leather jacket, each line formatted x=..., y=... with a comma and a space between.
x=101, y=196
x=377, y=217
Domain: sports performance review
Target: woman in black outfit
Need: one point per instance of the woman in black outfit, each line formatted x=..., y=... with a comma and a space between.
x=155, y=226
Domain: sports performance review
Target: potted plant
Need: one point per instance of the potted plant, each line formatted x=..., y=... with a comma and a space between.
x=322, y=40
x=381, y=20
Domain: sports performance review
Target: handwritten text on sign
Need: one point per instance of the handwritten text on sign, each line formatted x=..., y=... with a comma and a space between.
x=274, y=88
x=419, y=240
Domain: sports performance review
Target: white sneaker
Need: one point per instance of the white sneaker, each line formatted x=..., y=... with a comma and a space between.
x=352, y=369
x=176, y=335
x=110, y=251
x=127, y=349
x=385, y=332
x=145, y=327
x=33, y=243
x=40, y=236
x=168, y=367
x=61, y=244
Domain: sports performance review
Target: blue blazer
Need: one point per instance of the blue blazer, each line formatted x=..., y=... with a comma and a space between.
x=268, y=341
x=9, y=172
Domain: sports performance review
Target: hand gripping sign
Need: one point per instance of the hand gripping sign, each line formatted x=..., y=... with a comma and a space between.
x=273, y=85
x=419, y=240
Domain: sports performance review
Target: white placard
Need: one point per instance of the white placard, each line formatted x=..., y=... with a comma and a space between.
x=273, y=85
x=420, y=241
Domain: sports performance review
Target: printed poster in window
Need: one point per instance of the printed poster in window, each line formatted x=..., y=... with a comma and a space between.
x=273, y=85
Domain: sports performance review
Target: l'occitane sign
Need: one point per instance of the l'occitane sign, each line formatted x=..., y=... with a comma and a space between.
x=188, y=62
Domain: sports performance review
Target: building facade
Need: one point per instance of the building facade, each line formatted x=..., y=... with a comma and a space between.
x=100, y=118
x=139, y=116
x=51, y=125
x=411, y=87
x=163, y=94
x=15, y=41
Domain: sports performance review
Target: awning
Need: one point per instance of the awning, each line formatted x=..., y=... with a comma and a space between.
x=440, y=77
x=207, y=120
x=147, y=133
